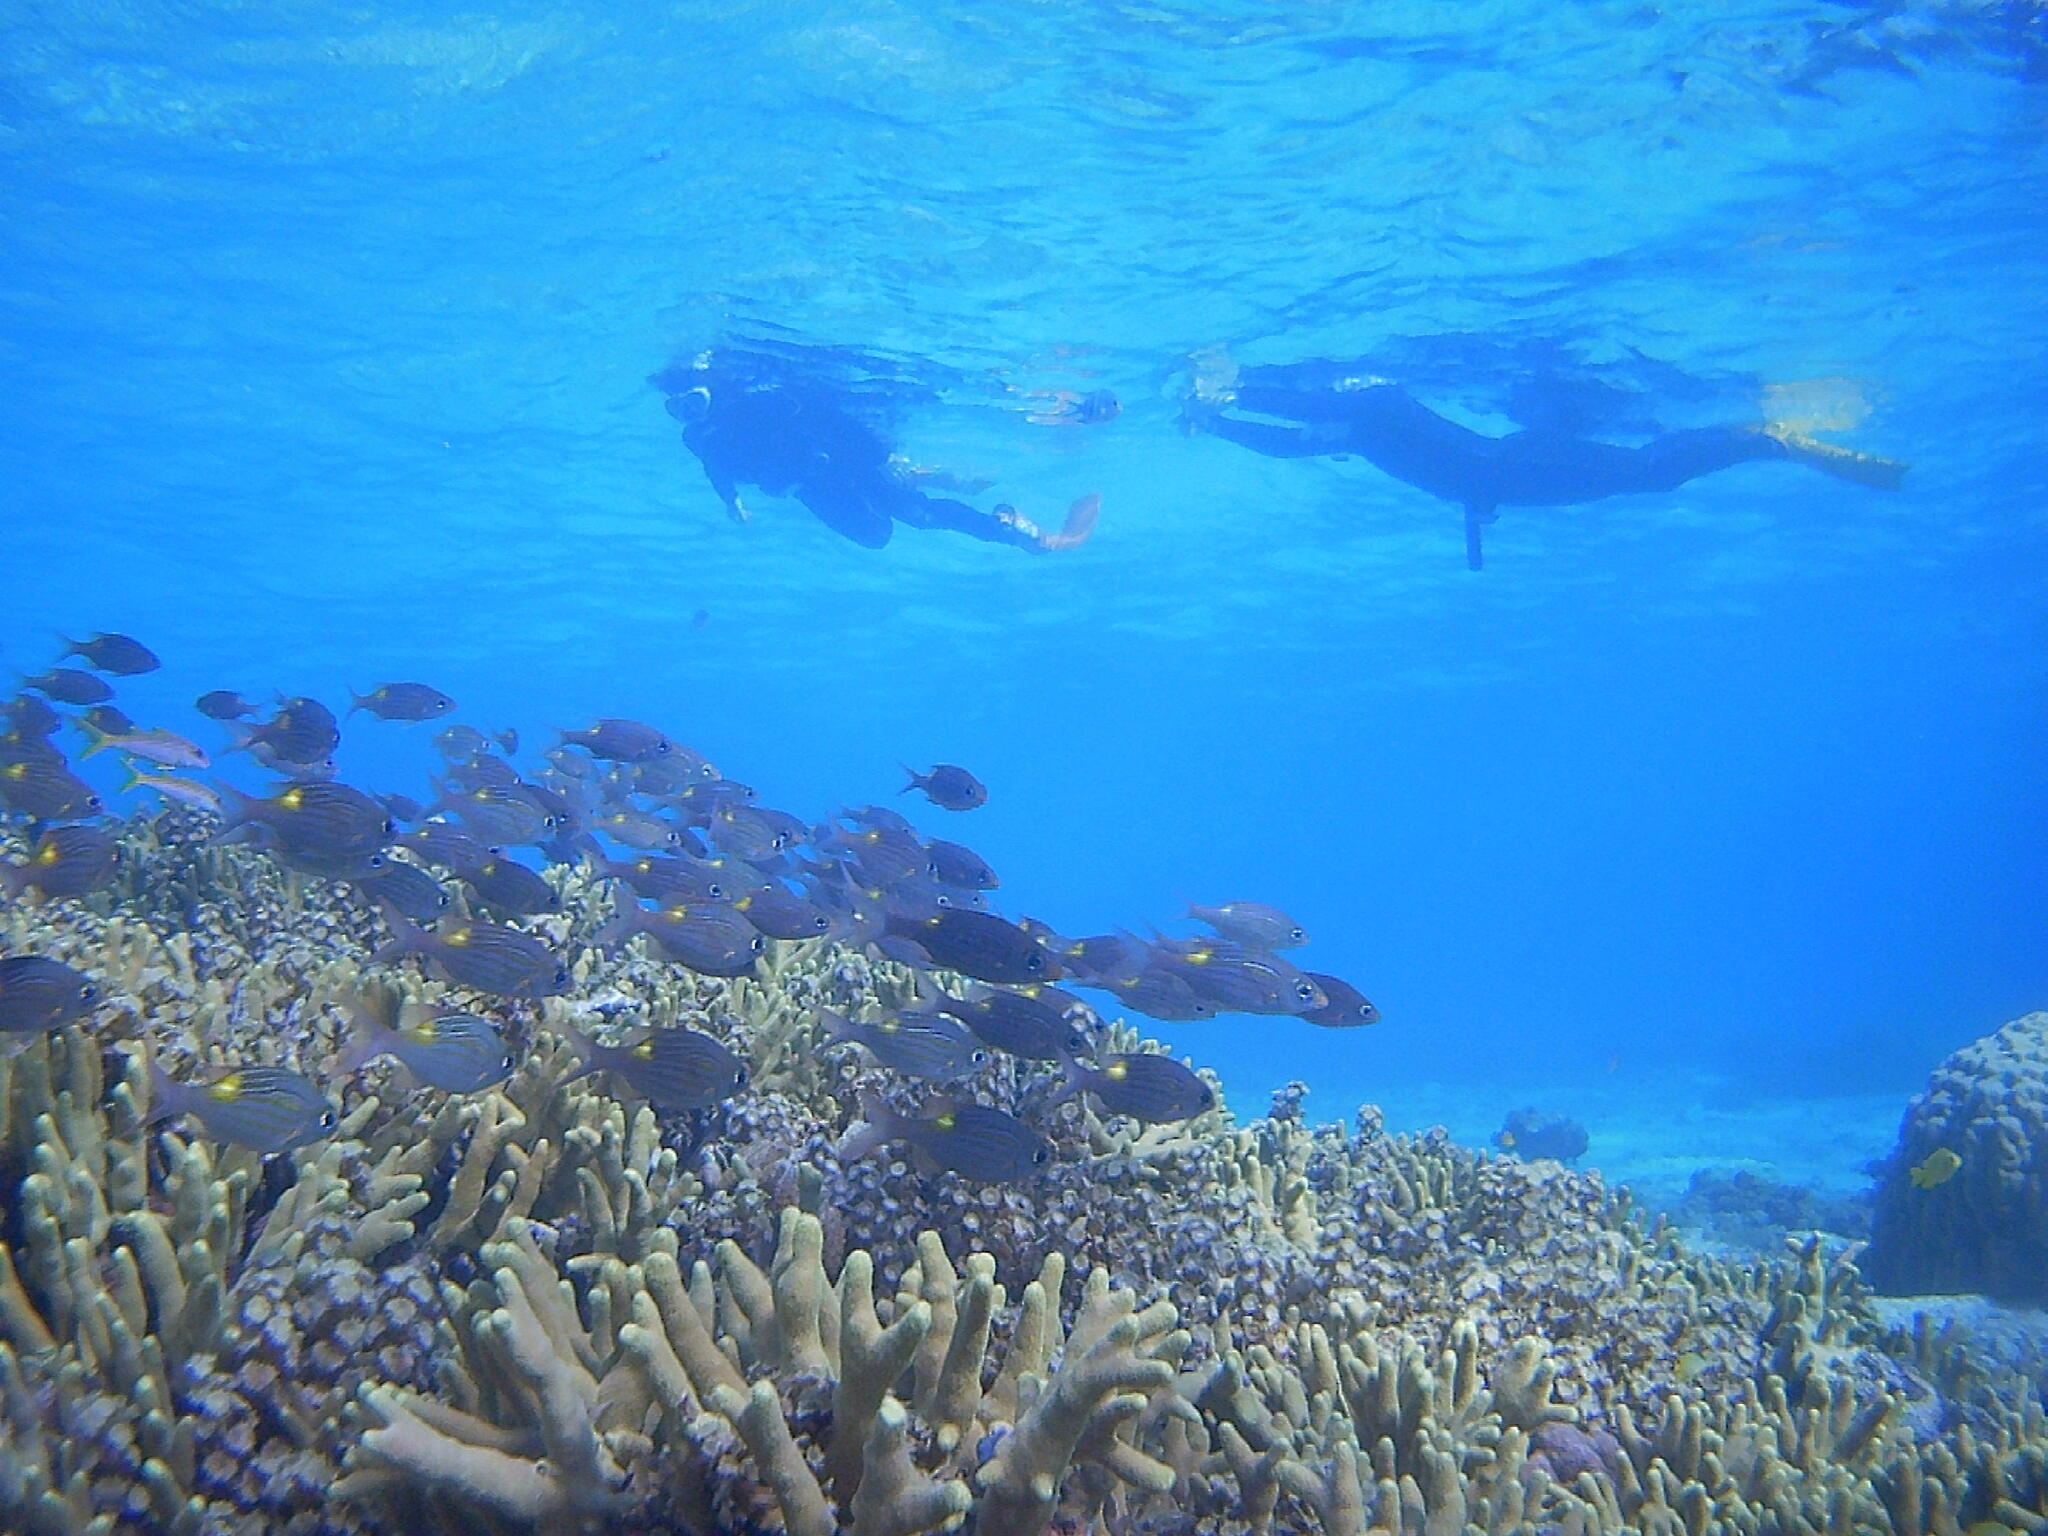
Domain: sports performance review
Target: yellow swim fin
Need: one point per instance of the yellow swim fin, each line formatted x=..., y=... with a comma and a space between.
x=1843, y=463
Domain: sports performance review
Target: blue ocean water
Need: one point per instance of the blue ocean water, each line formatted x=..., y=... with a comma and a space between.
x=326, y=335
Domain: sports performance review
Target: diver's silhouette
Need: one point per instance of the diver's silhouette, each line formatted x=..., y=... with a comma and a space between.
x=793, y=434
x=1323, y=411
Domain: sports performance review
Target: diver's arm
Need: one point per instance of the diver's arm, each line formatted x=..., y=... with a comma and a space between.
x=721, y=477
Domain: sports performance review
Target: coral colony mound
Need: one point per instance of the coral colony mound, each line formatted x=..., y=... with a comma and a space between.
x=589, y=1218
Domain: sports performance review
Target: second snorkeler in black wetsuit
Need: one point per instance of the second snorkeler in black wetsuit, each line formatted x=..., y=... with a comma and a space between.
x=798, y=436
x=1324, y=412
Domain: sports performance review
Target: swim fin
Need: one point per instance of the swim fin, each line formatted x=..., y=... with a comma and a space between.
x=1078, y=528
x=1843, y=463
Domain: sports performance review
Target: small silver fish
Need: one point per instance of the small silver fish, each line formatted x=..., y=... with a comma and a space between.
x=268, y=1109
x=166, y=749
x=1253, y=924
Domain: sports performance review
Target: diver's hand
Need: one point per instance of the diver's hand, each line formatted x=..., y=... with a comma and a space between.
x=1077, y=529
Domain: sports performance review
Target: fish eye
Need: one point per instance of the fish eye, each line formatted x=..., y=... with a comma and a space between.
x=561, y=975
x=88, y=992
x=1306, y=992
x=326, y=1117
x=1034, y=963
x=390, y=826
x=717, y=891
x=665, y=747
x=92, y=802
x=1207, y=1098
x=757, y=944
x=1296, y=934
x=507, y=1062
x=979, y=1058
x=1041, y=1155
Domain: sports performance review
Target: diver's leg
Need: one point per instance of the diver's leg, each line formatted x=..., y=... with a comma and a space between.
x=1476, y=518
x=921, y=511
x=848, y=513
x=1275, y=442
x=1667, y=462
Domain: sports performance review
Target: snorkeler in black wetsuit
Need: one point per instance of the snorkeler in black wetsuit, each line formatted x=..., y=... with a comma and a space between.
x=1385, y=425
x=799, y=436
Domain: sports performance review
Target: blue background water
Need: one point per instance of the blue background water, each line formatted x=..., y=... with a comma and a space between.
x=324, y=336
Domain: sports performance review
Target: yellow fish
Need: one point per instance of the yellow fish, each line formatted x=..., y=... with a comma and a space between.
x=1939, y=1168
x=1689, y=1366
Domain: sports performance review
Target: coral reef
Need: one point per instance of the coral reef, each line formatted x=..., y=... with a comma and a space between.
x=1737, y=1208
x=542, y=1307
x=1984, y=1227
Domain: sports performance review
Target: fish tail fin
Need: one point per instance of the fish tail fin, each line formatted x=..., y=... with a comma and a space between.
x=837, y=1025
x=407, y=936
x=1076, y=1078
x=13, y=880
x=366, y=1041
x=877, y=1127
x=96, y=740
x=581, y=1046
x=236, y=810
x=1079, y=527
x=917, y=780
x=166, y=1098
x=628, y=918
x=357, y=701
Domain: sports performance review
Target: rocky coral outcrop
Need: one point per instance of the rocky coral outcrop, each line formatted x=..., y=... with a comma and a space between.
x=1985, y=1227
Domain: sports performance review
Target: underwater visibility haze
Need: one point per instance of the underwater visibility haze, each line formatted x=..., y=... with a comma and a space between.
x=1462, y=596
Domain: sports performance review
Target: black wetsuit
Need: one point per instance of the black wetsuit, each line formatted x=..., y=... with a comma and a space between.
x=1402, y=437
x=793, y=437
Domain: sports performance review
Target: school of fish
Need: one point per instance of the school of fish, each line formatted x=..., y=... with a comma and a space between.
x=697, y=868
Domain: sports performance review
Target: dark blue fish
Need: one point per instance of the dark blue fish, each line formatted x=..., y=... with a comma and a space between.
x=39, y=994
x=673, y=1069
x=403, y=807
x=64, y=861
x=224, y=704
x=311, y=817
x=780, y=914
x=948, y=786
x=951, y=864
x=485, y=956
x=1347, y=1007
x=926, y=1045
x=1238, y=979
x=38, y=786
x=29, y=717
x=620, y=741
x=972, y=1140
x=302, y=731
x=68, y=685
x=121, y=655
x=981, y=945
x=109, y=720
x=407, y=887
x=707, y=937
x=453, y=1051
x=404, y=701
x=446, y=844
x=511, y=888
x=1038, y=1024
x=268, y=1109
x=1149, y=1087
x=667, y=880
x=504, y=816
